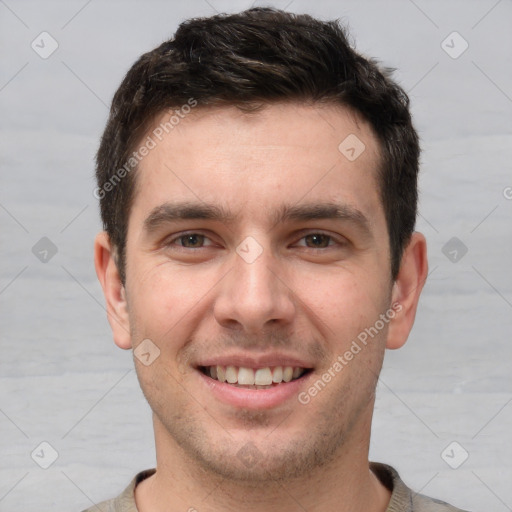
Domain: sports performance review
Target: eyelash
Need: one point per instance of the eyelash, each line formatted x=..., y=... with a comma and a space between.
x=332, y=240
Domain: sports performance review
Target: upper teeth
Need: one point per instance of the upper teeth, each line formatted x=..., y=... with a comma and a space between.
x=250, y=377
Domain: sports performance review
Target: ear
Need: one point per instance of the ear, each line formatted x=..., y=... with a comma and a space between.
x=406, y=290
x=113, y=289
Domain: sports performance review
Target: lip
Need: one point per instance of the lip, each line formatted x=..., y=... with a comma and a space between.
x=262, y=361
x=257, y=399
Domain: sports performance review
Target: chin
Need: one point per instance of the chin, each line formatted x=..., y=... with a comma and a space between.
x=258, y=455
x=250, y=465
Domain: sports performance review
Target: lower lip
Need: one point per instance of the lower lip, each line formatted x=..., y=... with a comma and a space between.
x=254, y=398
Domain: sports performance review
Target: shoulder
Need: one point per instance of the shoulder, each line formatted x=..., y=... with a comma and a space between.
x=425, y=504
x=104, y=506
x=404, y=499
x=125, y=502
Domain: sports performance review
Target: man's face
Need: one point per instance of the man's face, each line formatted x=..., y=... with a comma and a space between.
x=254, y=242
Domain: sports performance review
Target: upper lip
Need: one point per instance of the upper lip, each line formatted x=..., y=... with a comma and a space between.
x=255, y=361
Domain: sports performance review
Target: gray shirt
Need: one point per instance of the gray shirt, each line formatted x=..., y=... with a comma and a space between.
x=402, y=499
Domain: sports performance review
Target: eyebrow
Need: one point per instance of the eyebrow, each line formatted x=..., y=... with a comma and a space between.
x=169, y=212
x=305, y=212
x=187, y=210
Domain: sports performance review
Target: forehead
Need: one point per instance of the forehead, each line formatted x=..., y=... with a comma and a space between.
x=253, y=162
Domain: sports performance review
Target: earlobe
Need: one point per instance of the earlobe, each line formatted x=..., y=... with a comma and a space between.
x=407, y=289
x=113, y=290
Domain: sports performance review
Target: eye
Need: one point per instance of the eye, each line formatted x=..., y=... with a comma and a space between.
x=316, y=241
x=190, y=241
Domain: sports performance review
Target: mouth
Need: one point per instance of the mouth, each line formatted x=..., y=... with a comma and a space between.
x=254, y=378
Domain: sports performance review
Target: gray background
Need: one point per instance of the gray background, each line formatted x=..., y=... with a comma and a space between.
x=63, y=381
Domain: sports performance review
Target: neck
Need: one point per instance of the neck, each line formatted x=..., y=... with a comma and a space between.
x=344, y=484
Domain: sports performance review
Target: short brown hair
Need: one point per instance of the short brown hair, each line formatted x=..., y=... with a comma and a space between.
x=257, y=57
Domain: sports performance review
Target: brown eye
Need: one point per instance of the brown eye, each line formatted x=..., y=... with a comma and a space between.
x=317, y=241
x=192, y=241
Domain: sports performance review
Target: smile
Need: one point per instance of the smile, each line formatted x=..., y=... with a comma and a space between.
x=254, y=378
x=254, y=381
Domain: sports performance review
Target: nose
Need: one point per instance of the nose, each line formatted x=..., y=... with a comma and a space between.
x=255, y=295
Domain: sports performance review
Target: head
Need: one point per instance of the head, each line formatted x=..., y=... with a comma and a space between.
x=248, y=60
x=258, y=187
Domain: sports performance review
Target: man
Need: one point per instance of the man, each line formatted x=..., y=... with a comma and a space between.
x=257, y=181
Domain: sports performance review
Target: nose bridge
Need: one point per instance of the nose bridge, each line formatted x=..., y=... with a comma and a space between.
x=252, y=294
x=256, y=278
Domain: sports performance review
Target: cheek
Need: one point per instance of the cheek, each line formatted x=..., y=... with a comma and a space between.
x=164, y=297
x=344, y=302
